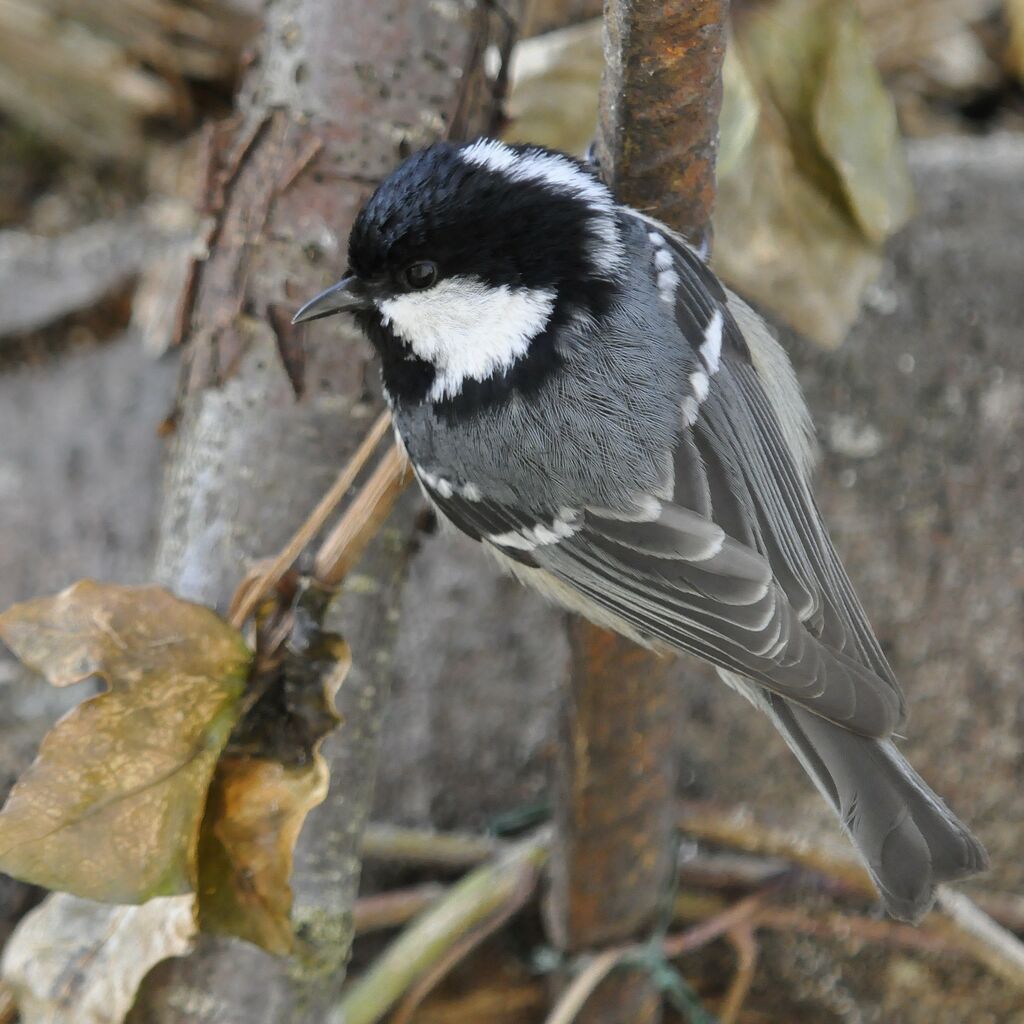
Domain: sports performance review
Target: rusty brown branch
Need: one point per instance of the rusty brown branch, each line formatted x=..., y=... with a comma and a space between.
x=619, y=745
x=658, y=135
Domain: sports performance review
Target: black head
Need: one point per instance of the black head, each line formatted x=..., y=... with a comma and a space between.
x=467, y=259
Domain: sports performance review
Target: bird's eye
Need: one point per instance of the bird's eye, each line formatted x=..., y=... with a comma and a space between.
x=420, y=275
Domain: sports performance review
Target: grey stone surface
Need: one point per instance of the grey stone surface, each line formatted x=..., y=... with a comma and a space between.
x=79, y=481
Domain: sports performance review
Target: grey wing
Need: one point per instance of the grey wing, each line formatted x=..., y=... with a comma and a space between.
x=737, y=568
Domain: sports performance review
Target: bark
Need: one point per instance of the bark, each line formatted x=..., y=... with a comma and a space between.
x=619, y=728
x=341, y=91
x=116, y=65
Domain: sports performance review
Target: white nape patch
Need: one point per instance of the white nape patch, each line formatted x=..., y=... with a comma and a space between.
x=563, y=175
x=711, y=349
x=700, y=384
x=532, y=537
x=467, y=329
x=691, y=410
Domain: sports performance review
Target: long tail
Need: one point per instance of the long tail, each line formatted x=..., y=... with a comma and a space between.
x=908, y=838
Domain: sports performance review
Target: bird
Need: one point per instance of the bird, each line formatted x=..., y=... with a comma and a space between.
x=579, y=394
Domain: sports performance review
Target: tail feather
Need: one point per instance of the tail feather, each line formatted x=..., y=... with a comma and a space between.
x=909, y=840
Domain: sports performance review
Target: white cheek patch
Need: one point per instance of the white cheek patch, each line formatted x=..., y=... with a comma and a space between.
x=468, y=330
x=563, y=175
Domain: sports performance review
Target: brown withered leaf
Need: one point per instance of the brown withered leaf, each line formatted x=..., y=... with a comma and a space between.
x=813, y=177
x=254, y=815
x=271, y=776
x=811, y=172
x=111, y=807
x=74, y=960
x=1015, y=52
x=553, y=83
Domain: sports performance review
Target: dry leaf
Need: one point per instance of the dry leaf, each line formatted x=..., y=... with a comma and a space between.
x=811, y=172
x=855, y=121
x=255, y=812
x=1015, y=54
x=553, y=82
x=270, y=778
x=806, y=196
x=932, y=45
x=74, y=960
x=110, y=809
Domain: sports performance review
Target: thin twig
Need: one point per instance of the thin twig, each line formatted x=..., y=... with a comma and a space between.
x=972, y=929
x=745, y=944
x=8, y=1004
x=738, y=829
x=345, y=543
x=251, y=591
x=426, y=984
x=428, y=940
x=393, y=909
x=1000, y=950
x=426, y=848
x=575, y=997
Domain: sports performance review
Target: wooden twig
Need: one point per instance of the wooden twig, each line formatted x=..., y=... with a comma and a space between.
x=426, y=848
x=745, y=944
x=252, y=589
x=8, y=1004
x=972, y=929
x=425, y=985
x=344, y=545
x=998, y=949
x=574, y=998
x=393, y=909
x=736, y=914
x=738, y=830
x=475, y=900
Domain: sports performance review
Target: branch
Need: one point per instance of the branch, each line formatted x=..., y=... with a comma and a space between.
x=478, y=899
x=615, y=853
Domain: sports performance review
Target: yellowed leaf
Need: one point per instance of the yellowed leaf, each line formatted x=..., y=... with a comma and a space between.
x=553, y=88
x=808, y=195
x=111, y=807
x=254, y=816
x=812, y=177
x=856, y=125
x=1015, y=13
x=72, y=960
x=272, y=776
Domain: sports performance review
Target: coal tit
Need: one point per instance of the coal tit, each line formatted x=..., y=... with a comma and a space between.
x=578, y=393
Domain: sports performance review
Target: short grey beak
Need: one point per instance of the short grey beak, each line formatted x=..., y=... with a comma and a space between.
x=347, y=296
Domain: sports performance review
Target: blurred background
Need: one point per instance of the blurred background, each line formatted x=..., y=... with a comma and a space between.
x=871, y=202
